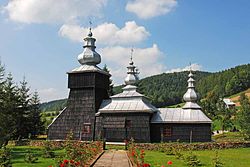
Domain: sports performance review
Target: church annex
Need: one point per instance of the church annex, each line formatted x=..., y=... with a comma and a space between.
x=92, y=115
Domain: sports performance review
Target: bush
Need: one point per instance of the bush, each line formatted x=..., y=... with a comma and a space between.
x=169, y=150
x=178, y=154
x=30, y=157
x=5, y=156
x=216, y=160
x=47, y=151
x=192, y=160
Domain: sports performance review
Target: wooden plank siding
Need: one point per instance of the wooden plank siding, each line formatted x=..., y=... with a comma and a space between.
x=87, y=90
x=180, y=132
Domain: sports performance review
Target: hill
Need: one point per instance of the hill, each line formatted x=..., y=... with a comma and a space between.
x=55, y=105
x=168, y=88
x=235, y=98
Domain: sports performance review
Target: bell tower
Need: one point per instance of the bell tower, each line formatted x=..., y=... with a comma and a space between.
x=88, y=86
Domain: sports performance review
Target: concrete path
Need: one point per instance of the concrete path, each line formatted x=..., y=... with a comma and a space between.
x=113, y=158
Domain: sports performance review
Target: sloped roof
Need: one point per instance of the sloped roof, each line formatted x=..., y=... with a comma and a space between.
x=228, y=102
x=126, y=104
x=179, y=115
x=88, y=68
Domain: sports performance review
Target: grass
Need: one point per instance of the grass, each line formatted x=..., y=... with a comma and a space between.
x=230, y=157
x=18, y=154
x=229, y=136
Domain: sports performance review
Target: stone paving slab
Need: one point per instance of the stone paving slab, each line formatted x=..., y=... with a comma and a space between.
x=113, y=158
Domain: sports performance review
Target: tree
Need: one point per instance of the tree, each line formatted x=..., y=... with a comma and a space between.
x=36, y=123
x=23, y=122
x=225, y=115
x=9, y=111
x=111, y=85
x=244, y=115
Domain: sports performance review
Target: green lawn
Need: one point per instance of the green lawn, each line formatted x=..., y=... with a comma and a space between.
x=18, y=154
x=230, y=157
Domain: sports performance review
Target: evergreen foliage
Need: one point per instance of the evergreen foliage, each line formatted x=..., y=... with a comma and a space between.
x=18, y=118
x=244, y=115
x=55, y=105
x=111, y=85
x=227, y=82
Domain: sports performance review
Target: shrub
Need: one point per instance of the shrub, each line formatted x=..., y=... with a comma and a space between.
x=82, y=152
x=216, y=160
x=47, y=151
x=5, y=156
x=30, y=157
x=169, y=150
x=192, y=160
x=178, y=154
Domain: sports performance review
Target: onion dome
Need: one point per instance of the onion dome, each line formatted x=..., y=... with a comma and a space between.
x=89, y=56
x=132, y=73
x=190, y=97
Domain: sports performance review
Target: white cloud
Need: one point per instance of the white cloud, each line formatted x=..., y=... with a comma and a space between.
x=148, y=60
x=146, y=9
x=107, y=33
x=52, y=11
x=49, y=94
x=193, y=67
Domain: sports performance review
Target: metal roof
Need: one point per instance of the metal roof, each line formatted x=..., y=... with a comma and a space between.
x=129, y=91
x=179, y=115
x=88, y=68
x=228, y=102
x=126, y=104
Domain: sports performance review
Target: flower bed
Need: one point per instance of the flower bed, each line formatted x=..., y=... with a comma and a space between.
x=136, y=155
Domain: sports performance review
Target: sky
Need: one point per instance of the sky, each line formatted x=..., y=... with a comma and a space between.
x=42, y=39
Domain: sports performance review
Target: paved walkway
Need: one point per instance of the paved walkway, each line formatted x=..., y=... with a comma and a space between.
x=113, y=158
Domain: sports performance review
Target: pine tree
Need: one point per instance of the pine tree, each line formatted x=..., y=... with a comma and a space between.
x=23, y=119
x=244, y=115
x=111, y=85
x=36, y=123
x=9, y=110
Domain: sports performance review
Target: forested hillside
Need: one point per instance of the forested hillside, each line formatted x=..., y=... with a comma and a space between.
x=168, y=88
x=227, y=82
x=55, y=105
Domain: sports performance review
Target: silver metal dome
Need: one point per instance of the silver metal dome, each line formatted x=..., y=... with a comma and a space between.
x=132, y=72
x=89, y=56
x=190, y=97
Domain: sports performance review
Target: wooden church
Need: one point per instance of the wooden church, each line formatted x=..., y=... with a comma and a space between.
x=92, y=115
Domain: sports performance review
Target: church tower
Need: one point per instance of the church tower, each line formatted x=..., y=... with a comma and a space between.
x=88, y=86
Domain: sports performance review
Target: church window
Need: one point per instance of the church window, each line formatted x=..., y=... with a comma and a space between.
x=167, y=131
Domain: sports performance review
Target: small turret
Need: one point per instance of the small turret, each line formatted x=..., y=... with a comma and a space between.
x=132, y=73
x=89, y=56
x=190, y=97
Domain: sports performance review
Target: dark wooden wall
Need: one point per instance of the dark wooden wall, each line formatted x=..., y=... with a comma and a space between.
x=114, y=127
x=87, y=90
x=181, y=132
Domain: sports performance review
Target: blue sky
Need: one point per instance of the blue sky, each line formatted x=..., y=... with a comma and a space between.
x=42, y=39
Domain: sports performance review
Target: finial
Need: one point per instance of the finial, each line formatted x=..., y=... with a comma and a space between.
x=90, y=33
x=131, y=56
x=190, y=70
x=132, y=73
